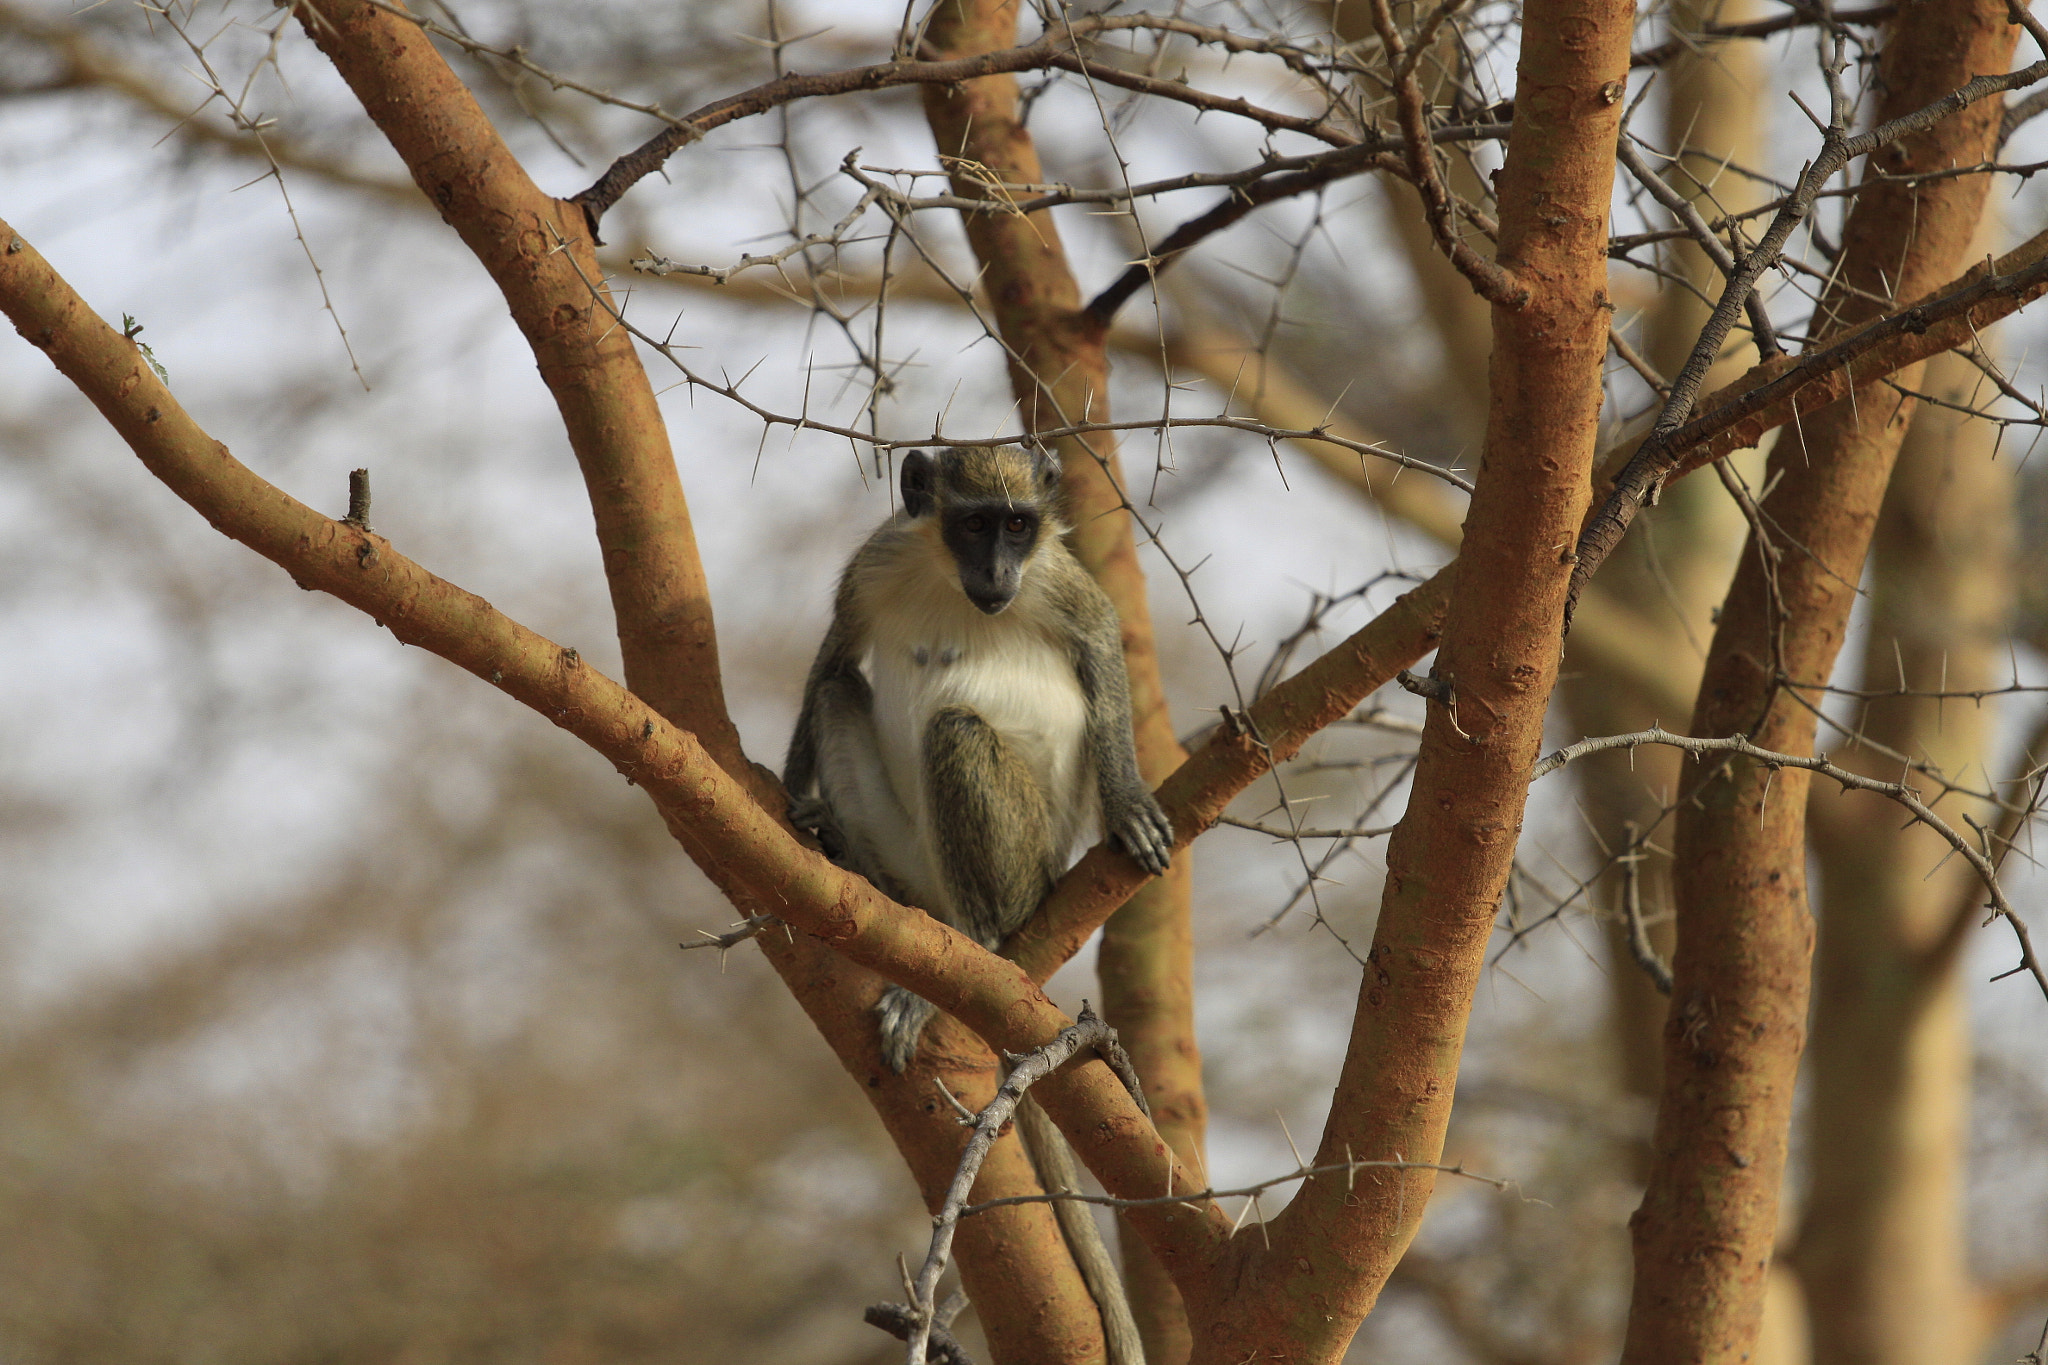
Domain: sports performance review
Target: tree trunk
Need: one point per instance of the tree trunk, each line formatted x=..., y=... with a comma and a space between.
x=1708, y=1221
x=1881, y=1246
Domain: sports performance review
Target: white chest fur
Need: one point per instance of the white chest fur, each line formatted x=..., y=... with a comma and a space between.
x=942, y=651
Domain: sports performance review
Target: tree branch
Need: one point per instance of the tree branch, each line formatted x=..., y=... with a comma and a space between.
x=1904, y=795
x=1056, y=49
x=1494, y=283
x=1671, y=438
x=1802, y=16
x=1774, y=392
x=540, y=257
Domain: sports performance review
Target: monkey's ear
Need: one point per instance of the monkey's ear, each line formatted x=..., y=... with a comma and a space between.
x=1046, y=466
x=918, y=480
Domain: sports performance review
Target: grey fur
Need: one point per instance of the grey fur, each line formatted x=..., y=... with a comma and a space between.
x=966, y=720
x=969, y=827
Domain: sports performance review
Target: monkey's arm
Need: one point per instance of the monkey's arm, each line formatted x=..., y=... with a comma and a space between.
x=834, y=692
x=1130, y=813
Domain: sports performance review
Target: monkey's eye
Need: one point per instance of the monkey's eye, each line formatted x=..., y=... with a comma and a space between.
x=976, y=523
x=1016, y=526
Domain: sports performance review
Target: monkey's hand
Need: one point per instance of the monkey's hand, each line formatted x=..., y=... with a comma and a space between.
x=1140, y=828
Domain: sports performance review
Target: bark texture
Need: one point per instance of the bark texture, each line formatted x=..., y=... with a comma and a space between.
x=1704, y=1233
x=1335, y=1245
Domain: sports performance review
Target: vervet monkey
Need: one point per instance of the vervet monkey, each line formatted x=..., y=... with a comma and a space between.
x=992, y=725
x=967, y=720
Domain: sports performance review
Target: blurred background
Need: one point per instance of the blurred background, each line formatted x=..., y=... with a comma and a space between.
x=342, y=1016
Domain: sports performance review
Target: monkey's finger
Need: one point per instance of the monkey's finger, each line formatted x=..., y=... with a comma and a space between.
x=1148, y=838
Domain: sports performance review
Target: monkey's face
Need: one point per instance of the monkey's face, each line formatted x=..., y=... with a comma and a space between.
x=991, y=544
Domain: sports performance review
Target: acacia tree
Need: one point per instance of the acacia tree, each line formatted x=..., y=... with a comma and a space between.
x=1387, y=92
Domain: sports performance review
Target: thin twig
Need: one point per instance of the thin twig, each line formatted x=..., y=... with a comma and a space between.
x=1493, y=281
x=1688, y=215
x=750, y=927
x=897, y=1319
x=1898, y=791
x=1087, y=1032
x=1802, y=16
x=1378, y=832
x=1639, y=946
x=1347, y=1169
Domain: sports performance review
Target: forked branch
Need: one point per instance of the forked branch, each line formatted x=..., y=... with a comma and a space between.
x=1493, y=281
x=1087, y=1031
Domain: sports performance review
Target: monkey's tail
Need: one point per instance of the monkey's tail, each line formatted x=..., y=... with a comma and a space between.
x=1059, y=1174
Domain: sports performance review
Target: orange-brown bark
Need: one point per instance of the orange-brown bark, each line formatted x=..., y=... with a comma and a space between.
x=1674, y=572
x=1333, y=1248
x=540, y=255
x=749, y=854
x=1704, y=1233
x=1059, y=371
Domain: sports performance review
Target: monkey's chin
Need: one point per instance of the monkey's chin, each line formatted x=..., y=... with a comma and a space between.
x=992, y=607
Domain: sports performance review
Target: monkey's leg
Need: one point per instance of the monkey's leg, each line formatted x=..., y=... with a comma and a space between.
x=992, y=836
x=991, y=825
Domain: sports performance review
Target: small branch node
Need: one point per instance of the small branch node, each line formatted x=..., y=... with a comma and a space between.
x=358, y=500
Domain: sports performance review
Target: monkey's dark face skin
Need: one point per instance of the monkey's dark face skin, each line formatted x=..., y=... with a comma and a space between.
x=991, y=543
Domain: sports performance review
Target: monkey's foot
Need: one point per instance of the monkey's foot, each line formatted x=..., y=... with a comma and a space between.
x=811, y=813
x=1142, y=830
x=903, y=1017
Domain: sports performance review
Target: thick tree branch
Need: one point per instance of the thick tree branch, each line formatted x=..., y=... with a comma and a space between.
x=1704, y=1235
x=1333, y=1248
x=539, y=255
